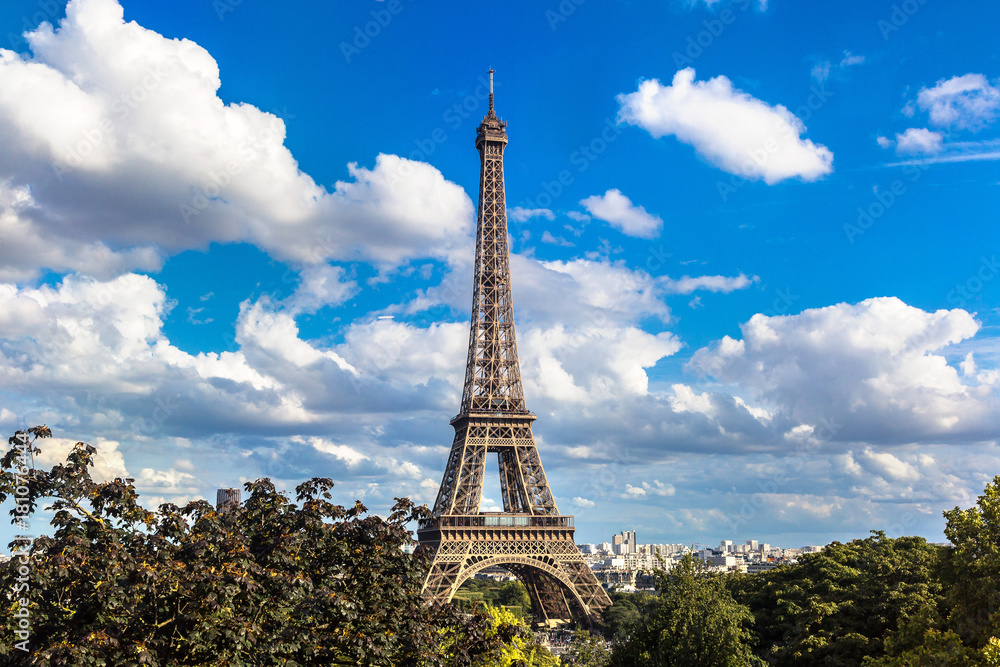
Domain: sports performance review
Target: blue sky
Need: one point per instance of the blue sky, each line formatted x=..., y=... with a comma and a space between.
x=754, y=250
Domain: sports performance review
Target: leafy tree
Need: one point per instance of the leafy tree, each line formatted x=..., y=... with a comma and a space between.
x=587, y=650
x=270, y=582
x=694, y=621
x=838, y=606
x=624, y=614
x=518, y=651
x=972, y=568
x=514, y=594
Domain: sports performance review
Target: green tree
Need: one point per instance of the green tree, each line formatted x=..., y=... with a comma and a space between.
x=837, y=607
x=514, y=594
x=518, y=650
x=694, y=621
x=972, y=568
x=270, y=582
x=587, y=650
x=624, y=614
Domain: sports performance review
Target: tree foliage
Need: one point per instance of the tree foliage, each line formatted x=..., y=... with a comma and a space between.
x=587, y=650
x=624, y=614
x=518, y=651
x=271, y=582
x=836, y=607
x=972, y=568
x=694, y=621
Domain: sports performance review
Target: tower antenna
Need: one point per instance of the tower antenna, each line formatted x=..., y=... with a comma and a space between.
x=491, y=91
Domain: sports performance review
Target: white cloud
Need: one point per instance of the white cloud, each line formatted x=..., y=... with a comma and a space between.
x=130, y=154
x=723, y=284
x=617, y=210
x=850, y=59
x=883, y=142
x=29, y=245
x=320, y=285
x=968, y=102
x=591, y=292
x=685, y=399
x=168, y=483
x=821, y=71
x=890, y=466
x=918, y=141
x=347, y=454
x=590, y=364
x=547, y=237
x=583, y=502
x=658, y=488
x=109, y=462
x=968, y=365
x=730, y=129
x=871, y=371
x=633, y=492
x=740, y=4
x=520, y=214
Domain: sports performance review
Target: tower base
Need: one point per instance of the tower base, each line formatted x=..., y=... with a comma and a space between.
x=538, y=550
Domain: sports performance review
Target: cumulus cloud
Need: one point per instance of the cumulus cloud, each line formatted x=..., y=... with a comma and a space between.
x=109, y=463
x=872, y=371
x=917, y=141
x=967, y=102
x=728, y=128
x=618, y=210
x=320, y=285
x=130, y=154
x=29, y=244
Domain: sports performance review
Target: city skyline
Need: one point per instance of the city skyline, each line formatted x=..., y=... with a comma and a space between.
x=753, y=249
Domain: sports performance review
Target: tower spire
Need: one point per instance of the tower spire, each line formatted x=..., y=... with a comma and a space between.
x=491, y=91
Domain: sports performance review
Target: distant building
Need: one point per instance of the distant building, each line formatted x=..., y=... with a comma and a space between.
x=227, y=497
x=624, y=543
x=722, y=561
x=757, y=568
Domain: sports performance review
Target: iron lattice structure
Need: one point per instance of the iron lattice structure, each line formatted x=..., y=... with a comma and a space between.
x=529, y=538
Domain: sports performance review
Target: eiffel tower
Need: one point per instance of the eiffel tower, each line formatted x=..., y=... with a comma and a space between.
x=530, y=538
